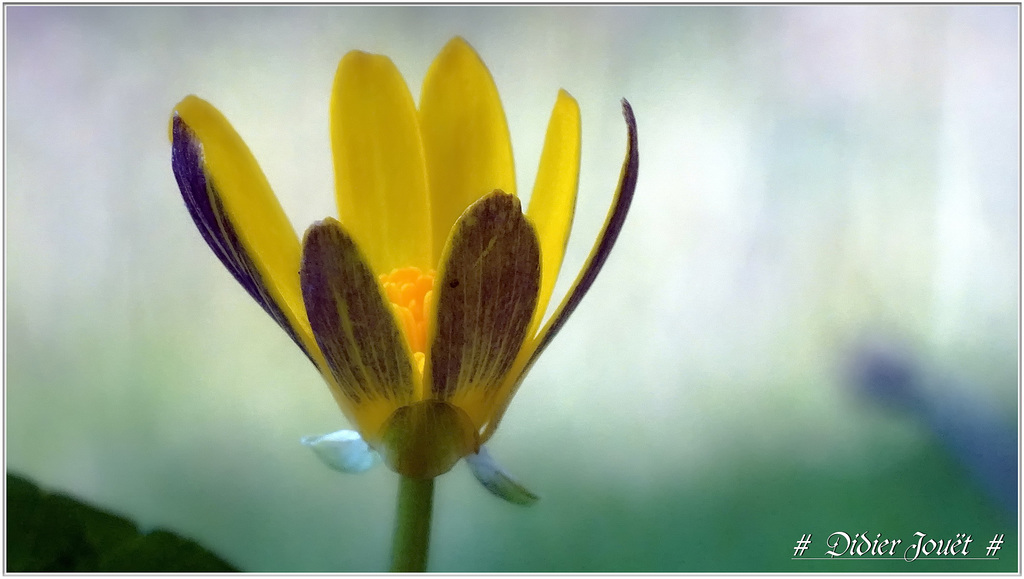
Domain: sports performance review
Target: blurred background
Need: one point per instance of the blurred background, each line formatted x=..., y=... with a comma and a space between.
x=809, y=324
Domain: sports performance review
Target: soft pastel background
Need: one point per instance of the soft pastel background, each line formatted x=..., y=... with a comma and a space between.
x=809, y=323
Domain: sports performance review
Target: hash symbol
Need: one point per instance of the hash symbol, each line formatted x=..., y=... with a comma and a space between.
x=801, y=545
x=994, y=545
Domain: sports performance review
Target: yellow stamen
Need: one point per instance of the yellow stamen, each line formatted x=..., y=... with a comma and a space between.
x=409, y=291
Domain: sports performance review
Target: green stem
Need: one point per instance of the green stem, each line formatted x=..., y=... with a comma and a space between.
x=412, y=525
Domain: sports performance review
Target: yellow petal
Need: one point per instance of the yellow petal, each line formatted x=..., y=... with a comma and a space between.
x=465, y=136
x=380, y=175
x=553, y=202
x=368, y=358
x=426, y=439
x=595, y=261
x=238, y=215
x=486, y=292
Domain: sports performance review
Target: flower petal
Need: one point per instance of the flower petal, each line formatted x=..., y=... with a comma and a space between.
x=343, y=450
x=427, y=438
x=553, y=202
x=465, y=136
x=497, y=481
x=380, y=174
x=595, y=261
x=238, y=215
x=368, y=358
x=486, y=294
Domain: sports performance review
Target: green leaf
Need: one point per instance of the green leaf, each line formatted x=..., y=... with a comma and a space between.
x=53, y=532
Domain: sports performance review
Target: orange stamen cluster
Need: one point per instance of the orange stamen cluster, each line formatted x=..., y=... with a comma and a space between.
x=409, y=291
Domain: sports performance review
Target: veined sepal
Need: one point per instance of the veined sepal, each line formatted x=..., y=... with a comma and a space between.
x=486, y=292
x=343, y=450
x=369, y=366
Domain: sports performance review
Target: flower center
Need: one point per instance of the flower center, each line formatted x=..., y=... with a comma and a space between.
x=409, y=291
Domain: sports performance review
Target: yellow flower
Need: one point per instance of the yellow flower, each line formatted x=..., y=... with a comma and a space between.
x=422, y=306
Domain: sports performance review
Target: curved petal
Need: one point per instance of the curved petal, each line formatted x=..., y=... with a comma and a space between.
x=238, y=215
x=595, y=261
x=367, y=355
x=380, y=174
x=553, y=202
x=486, y=292
x=343, y=450
x=497, y=481
x=465, y=136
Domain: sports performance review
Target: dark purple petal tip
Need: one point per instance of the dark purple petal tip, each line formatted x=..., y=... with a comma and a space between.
x=204, y=204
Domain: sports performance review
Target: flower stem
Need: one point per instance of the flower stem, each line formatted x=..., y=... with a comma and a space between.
x=412, y=525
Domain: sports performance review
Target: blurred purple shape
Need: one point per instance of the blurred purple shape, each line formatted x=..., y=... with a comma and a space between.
x=886, y=374
x=889, y=374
